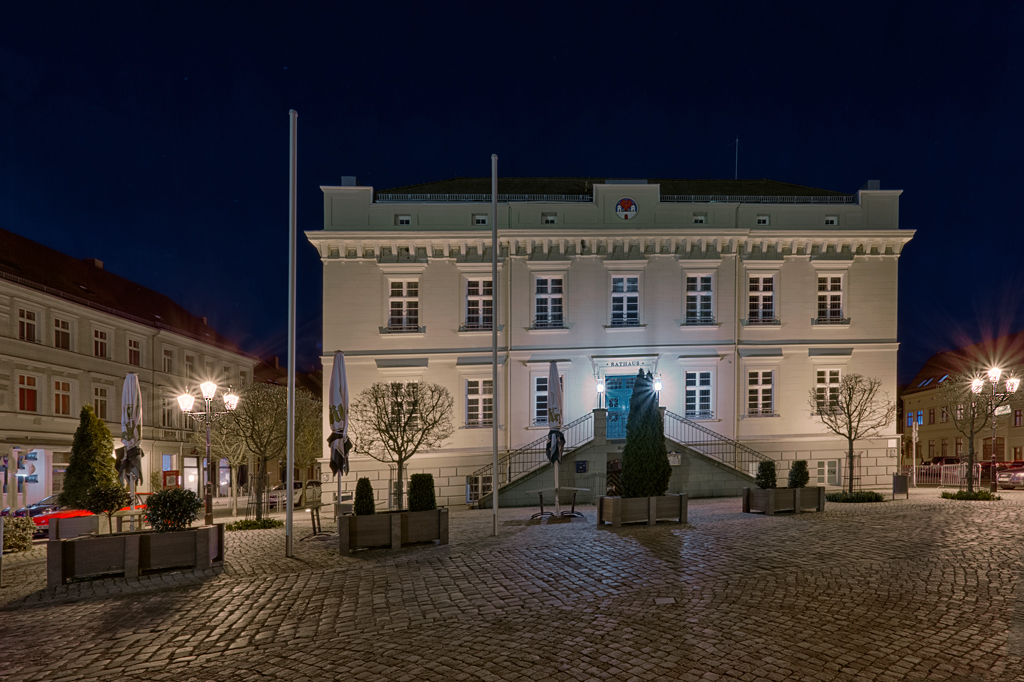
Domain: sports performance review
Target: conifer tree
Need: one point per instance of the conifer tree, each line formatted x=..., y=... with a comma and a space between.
x=92, y=460
x=645, y=467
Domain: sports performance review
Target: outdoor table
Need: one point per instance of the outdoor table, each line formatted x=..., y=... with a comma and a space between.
x=540, y=494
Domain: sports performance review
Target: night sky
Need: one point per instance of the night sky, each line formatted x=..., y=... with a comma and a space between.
x=154, y=136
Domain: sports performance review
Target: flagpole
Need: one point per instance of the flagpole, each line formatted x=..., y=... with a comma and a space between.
x=292, y=230
x=495, y=477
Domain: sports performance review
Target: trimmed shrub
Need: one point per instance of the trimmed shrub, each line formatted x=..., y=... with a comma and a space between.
x=107, y=498
x=173, y=509
x=18, y=532
x=253, y=524
x=977, y=495
x=421, y=493
x=91, y=463
x=765, y=478
x=156, y=481
x=799, y=476
x=645, y=467
x=857, y=496
x=364, y=503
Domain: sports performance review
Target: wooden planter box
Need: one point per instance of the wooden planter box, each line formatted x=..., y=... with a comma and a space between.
x=392, y=529
x=620, y=510
x=774, y=500
x=133, y=554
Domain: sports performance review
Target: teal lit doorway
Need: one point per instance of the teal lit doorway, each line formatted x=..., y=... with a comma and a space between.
x=618, y=389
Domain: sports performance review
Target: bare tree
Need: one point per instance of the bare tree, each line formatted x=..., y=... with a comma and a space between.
x=227, y=442
x=856, y=408
x=261, y=418
x=390, y=422
x=309, y=437
x=970, y=412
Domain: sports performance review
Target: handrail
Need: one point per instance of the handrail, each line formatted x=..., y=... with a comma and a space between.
x=533, y=456
x=401, y=197
x=712, y=444
x=388, y=198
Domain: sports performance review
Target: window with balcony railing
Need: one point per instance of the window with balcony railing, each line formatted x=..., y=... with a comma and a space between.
x=830, y=300
x=761, y=300
x=698, y=395
x=404, y=307
x=699, y=300
x=625, y=301
x=548, y=309
x=759, y=393
x=479, y=305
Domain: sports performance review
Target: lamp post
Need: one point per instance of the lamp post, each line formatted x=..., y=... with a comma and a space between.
x=185, y=402
x=600, y=393
x=995, y=397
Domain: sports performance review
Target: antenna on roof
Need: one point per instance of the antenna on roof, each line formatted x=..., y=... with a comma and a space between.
x=736, y=172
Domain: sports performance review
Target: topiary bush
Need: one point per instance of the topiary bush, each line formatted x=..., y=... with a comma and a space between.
x=645, y=467
x=364, y=503
x=173, y=509
x=421, y=493
x=765, y=475
x=18, y=532
x=799, y=476
x=253, y=524
x=982, y=495
x=107, y=498
x=90, y=464
x=857, y=496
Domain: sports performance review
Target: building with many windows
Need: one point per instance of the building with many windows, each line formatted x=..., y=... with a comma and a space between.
x=69, y=333
x=739, y=296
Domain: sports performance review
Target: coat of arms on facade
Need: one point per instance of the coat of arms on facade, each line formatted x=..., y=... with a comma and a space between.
x=626, y=208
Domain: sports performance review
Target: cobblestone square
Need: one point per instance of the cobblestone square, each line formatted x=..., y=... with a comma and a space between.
x=919, y=589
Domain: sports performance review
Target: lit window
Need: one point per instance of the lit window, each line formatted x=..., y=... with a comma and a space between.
x=699, y=300
x=759, y=393
x=698, y=395
x=61, y=334
x=28, y=393
x=404, y=310
x=548, y=303
x=26, y=325
x=625, y=301
x=761, y=299
x=62, y=398
x=479, y=402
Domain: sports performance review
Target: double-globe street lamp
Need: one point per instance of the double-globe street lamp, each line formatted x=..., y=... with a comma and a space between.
x=185, y=402
x=995, y=400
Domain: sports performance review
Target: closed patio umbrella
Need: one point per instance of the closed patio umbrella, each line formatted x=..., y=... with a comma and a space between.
x=129, y=458
x=338, y=410
x=556, y=441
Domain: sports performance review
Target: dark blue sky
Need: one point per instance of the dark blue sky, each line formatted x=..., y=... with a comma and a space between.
x=154, y=136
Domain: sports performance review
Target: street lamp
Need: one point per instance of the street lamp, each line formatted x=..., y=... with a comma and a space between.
x=994, y=397
x=186, y=402
x=600, y=393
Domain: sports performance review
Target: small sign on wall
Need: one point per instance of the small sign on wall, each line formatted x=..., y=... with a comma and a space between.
x=581, y=466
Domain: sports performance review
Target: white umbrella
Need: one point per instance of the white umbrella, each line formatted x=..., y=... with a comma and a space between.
x=556, y=441
x=129, y=461
x=338, y=410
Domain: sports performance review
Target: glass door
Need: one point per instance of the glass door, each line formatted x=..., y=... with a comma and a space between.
x=618, y=389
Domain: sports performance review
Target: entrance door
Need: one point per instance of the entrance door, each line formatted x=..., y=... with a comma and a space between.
x=618, y=389
x=190, y=480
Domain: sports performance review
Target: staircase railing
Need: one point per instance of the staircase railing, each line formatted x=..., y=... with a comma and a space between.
x=711, y=444
x=533, y=456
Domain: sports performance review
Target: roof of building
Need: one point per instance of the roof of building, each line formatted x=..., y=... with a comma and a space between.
x=1005, y=351
x=569, y=186
x=85, y=282
x=270, y=371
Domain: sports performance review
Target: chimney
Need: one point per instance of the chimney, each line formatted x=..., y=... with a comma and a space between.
x=203, y=318
x=274, y=363
x=872, y=184
x=348, y=181
x=95, y=262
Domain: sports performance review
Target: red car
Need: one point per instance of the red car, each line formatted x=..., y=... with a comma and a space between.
x=42, y=521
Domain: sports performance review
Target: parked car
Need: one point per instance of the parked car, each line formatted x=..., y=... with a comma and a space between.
x=276, y=495
x=1009, y=479
x=43, y=506
x=42, y=520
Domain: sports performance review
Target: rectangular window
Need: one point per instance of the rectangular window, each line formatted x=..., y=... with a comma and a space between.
x=548, y=303
x=910, y=419
x=959, y=445
x=698, y=395
x=479, y=218
x=759, y=393
x=167, y=463
x=403, y=220
x=99, y=401
x=1018, y=417
x=830, y=300
x=28, y=393
x=243, y=378
x=831, y=220
x=540, y=399
x=945, y=416
x=763, y=220
x=944, y=447
x=762, y=299
x=168, y=416
x=698, y=300
x=403, y=406
x=959, y=412
x=99, y=343
x=931, y=416
x=920, y=417
x=549, y=218
x=828, y=472
x=404, y=310
x=62, y=398
x=1018, y=453
x=134, y=352
x=479, y=402
x=931, y=448
x=61, y=334
x=625, y=301
x=26, y=325
x=168, y=361
x=827, y=390
x=190, y=366
x=479, y=304
x=699, y=218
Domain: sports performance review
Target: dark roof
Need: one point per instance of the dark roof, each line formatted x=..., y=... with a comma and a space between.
x=270, y=371
x=85, y=282
x=1006, y=351
x=762, y=187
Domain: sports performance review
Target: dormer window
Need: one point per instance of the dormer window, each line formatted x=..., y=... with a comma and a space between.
x=763, y=220
x=549, y=218
x=403, y=220
x=831, y=220
x=700, y=218
x=479, y=218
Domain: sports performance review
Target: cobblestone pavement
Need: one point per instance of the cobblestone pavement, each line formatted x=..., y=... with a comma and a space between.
x=923, y=589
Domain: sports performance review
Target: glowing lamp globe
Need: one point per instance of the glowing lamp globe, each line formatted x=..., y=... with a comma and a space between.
x=209, y=389
x=185, y=402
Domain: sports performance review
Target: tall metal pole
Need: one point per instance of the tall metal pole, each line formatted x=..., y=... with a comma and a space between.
x=210, y=476
x=993, y=485
x=495, y=478
x=292, y=231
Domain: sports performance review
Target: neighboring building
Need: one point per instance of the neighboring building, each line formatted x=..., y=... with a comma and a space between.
x=922, y=402
x=69, y=333
x=742, y=295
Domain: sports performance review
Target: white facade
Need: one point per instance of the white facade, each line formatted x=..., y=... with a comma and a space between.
x=751, y=303
x=59, y=352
